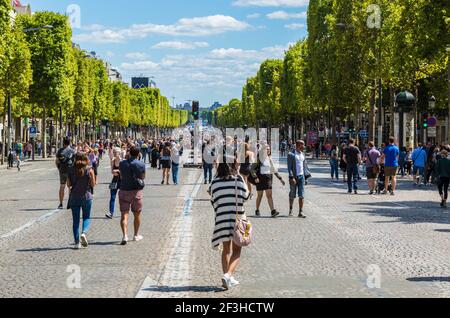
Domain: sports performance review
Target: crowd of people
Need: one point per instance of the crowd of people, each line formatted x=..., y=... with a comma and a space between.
x=425, y=165
x=78, y=171
x=241, y=168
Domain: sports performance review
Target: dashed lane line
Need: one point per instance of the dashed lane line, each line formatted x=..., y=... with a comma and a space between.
x=176, y=274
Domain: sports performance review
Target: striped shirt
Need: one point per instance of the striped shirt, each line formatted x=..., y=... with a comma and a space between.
x=223, y=199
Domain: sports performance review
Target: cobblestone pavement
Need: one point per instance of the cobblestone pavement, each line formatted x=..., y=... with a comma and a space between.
x=329, y=254
x=34, y=262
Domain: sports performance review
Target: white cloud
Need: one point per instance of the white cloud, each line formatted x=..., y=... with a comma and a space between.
x=271, y=3
x=138, y=56
x=283, y=15
x=104, y=36
x=141, y=66
x=180, y=45
x=218, y=72
x=253, y=16
x=295, y=26
x=92, y=27
x=110, y=54
x=200, y=26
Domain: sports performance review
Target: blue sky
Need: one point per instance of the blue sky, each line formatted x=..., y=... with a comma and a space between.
x=200, y=49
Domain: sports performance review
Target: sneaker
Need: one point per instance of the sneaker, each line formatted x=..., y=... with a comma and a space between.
x=226, y=284
x=275, y=213
x=233, y=282
x=349, y=191
x=384, y=192
x=301, y=215
x=257, y=213
x=162, y=182
x=124, y=241
x=371, y=192
x=84, y=241
x=392, y=193
x=60, y=206
x=291, y=213
x=138, y=238
x=356, y=191
x=206, y=182
x=109, y=215
x=77, y=246
x=442, y=203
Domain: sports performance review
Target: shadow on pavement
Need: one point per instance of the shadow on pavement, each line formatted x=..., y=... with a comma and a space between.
x=407, y=212
x=443, y=231
x=429, y=279
x=46, y=249
x=104, y=243
x=197, y=289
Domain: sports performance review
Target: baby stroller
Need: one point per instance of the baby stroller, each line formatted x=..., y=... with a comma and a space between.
x=381, y=186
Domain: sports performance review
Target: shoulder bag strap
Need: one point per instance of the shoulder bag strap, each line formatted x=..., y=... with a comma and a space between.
x=236, y=196
x=370, y=159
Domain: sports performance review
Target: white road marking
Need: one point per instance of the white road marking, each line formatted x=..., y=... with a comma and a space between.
x=30, y=224
x=176, y=273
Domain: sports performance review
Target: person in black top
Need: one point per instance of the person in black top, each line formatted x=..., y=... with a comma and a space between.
x=208, y=158
x=65, y=159
x=352, y=157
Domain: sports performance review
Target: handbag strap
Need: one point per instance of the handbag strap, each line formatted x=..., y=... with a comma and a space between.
x=370, y=159
x=236, y=195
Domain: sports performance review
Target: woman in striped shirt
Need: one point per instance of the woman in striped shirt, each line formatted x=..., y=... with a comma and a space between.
x=223, y=197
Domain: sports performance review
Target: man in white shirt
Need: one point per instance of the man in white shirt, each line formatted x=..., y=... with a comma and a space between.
x=296, y=168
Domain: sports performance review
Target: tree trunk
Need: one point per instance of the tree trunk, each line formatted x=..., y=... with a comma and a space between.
x=372, y=115
x=391, y=110
x=3, y=138
x=43, y=133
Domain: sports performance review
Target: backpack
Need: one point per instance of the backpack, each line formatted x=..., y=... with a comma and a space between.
x=66, y=159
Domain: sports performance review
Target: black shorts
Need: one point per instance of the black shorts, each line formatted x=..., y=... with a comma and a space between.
x=166, y=164
x=370, y=174
x=265, y=182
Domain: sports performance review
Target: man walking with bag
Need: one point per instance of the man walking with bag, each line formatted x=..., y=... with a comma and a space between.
x=132, y=174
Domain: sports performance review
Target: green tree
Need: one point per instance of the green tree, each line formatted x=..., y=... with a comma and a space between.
x=15, y=73
x=51, y=51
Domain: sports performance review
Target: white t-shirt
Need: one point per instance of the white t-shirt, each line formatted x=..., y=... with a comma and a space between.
x=299, y=160
x=265, y=167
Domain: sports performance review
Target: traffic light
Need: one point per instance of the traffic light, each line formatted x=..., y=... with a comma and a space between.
x=425, y=121
x=195, y=110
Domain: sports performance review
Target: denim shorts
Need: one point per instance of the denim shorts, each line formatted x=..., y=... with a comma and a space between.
x=298, y=190
x=420, y=169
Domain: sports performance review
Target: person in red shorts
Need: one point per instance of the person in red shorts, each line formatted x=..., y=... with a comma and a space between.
x=132, y=174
